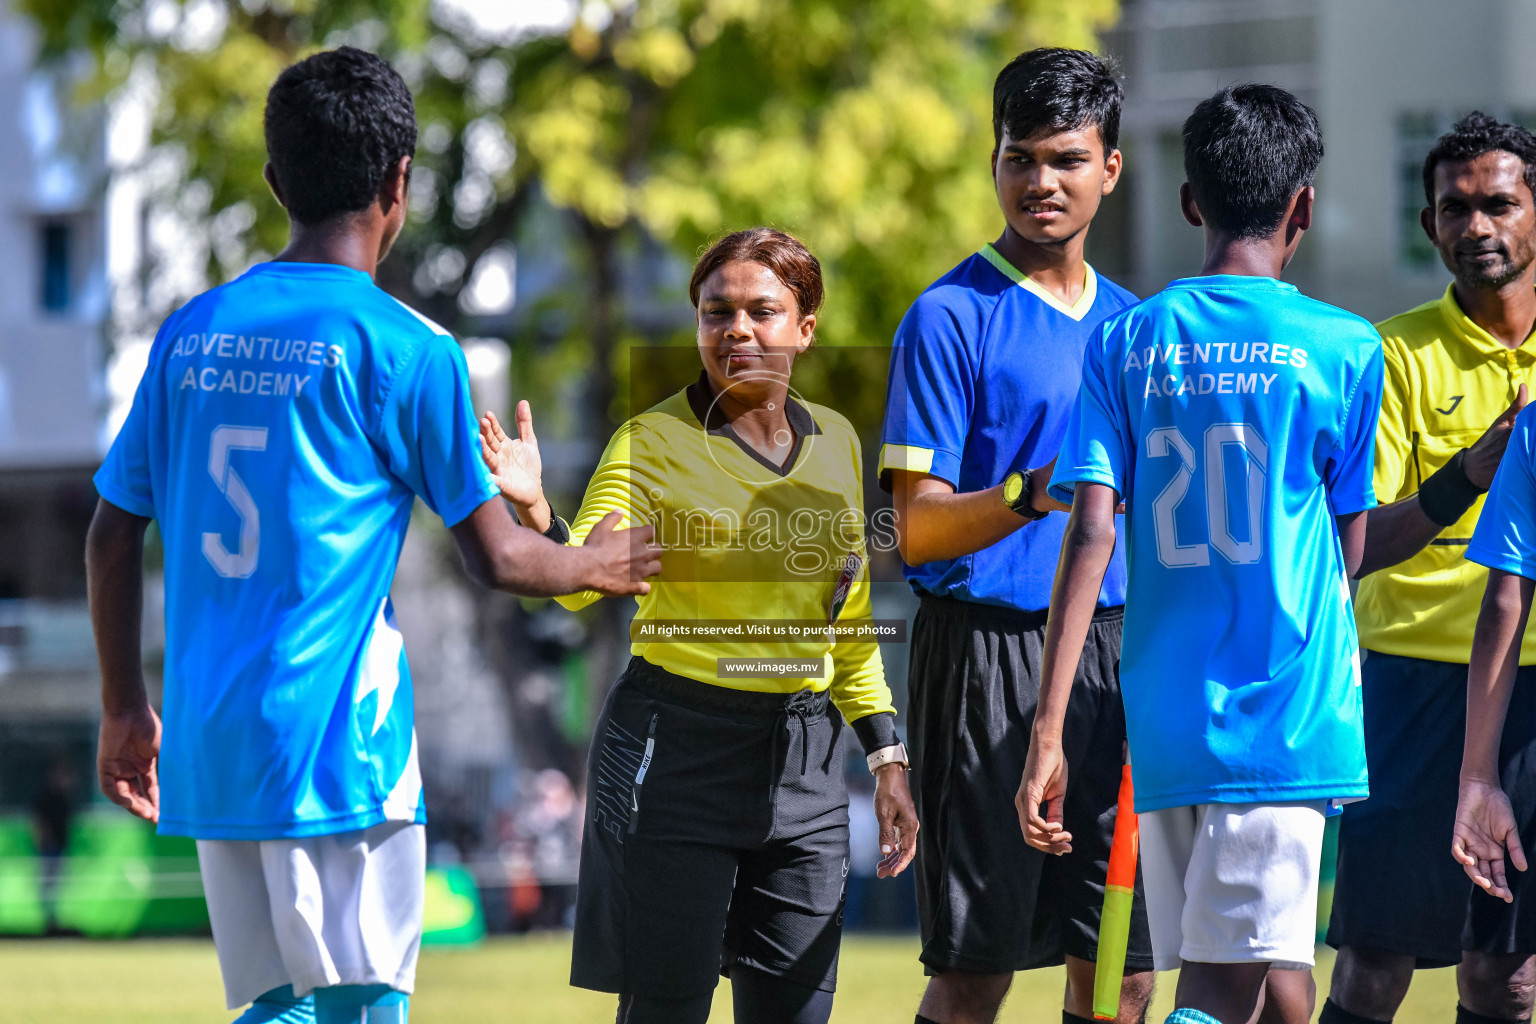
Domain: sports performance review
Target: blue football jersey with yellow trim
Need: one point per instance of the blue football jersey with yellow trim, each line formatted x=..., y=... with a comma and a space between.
x=984, y=370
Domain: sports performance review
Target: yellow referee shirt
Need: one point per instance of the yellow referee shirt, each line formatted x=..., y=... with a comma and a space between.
x=745, y=542
x=1446, y=380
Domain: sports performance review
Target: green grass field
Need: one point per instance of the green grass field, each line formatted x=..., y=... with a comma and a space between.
x=522, y=980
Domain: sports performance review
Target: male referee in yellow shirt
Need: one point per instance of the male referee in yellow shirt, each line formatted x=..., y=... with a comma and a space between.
x=1452, y=366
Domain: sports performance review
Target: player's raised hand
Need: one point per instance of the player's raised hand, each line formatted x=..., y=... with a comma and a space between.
x=513, y=461
x=1483, y=457
x=897, y=816
x=622, y=559
x=127, y=761
x=1044, y=782
x=1485, y=826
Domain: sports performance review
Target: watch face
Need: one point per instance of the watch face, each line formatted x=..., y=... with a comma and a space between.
x=1013, y=486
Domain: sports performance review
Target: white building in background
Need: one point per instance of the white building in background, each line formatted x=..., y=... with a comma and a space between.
x=75, y=331
x=1386, y=77
x=53, y=299
x=69, y=229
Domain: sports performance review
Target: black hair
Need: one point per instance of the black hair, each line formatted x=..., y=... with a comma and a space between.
x=1247, y=151
x=1055, y=89
x=1474, y=135
x=336, y=124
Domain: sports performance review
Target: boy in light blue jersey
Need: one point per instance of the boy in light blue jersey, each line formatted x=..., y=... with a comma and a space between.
x=984, y=368
x=285, y=425
x=1487, y=821
x=1236, y=419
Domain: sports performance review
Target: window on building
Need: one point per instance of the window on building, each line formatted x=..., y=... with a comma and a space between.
x=56, y=244
x=1234, y=44
x=1416, y=135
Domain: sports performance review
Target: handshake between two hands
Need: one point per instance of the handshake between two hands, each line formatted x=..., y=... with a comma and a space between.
x=623, y=558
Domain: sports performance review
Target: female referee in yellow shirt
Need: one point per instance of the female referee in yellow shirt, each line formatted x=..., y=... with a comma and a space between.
x=716, y=836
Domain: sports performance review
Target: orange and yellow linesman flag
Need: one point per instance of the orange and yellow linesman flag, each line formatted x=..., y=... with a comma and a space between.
x=1119, y=887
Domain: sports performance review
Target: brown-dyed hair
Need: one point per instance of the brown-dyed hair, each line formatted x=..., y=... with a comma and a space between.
x=784, y=254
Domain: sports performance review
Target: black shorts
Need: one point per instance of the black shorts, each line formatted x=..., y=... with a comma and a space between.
x=1398, y=888
x=988, y=902
x=716, y=834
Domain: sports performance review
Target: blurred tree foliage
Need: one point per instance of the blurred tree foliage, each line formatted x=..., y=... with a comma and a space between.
x=862, y=126
x=650, y=125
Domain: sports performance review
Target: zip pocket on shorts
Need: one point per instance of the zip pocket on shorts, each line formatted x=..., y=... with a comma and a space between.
x=645, y=766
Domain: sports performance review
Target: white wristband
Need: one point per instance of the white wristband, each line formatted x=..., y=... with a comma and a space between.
x=896, y=753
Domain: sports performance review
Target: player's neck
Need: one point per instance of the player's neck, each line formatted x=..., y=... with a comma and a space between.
x=1058, y=267
x=1243, y=257
x=1507, y=312
x=351, y=241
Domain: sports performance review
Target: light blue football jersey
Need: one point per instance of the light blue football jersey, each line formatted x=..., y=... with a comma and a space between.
x=1505, y=538
x=285, y=425
x=1236, y=417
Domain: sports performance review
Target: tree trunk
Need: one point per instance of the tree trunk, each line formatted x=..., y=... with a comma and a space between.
x=608, y=649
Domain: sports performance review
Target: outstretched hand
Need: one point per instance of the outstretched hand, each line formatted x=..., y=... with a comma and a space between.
x=1044, y=782
x=513, y=461
x=1483, y=457
x=1485, y=826
x=127, y=761
x=897, y=816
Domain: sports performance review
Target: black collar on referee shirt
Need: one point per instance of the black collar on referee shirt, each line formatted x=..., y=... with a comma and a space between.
x=713, y=420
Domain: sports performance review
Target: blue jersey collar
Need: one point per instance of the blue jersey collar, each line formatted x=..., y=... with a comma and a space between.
x=291, y=268
x=1207, y=281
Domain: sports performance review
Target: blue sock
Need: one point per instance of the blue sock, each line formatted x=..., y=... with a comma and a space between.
x=279, y=1006
x=1188, y=1015
x=361, y=1004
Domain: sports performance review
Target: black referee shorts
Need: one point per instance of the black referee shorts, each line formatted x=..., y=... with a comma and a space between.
x=987, y=901
x=716, y=835
x=1398, y=888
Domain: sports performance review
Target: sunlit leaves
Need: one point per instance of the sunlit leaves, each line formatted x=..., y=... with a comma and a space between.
x=863, y=126
x=661, y=54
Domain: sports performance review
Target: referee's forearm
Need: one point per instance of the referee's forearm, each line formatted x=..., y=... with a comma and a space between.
x=1395, y=533
x=861, y=694
x=876, y=730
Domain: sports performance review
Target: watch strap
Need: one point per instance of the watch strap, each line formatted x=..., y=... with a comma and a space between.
x=1021, y=504
x=896, y=753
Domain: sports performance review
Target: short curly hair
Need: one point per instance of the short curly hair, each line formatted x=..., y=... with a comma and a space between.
x=1474, y=135
x=336, y=123
x=782, y=253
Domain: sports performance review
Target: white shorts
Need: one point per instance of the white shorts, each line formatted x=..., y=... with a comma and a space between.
x=342, y=909
x=1232, y=883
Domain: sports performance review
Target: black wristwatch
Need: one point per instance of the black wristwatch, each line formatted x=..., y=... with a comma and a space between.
x=1017, y=487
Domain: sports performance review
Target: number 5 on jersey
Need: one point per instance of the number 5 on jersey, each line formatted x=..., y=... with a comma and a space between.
x=224, y=440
